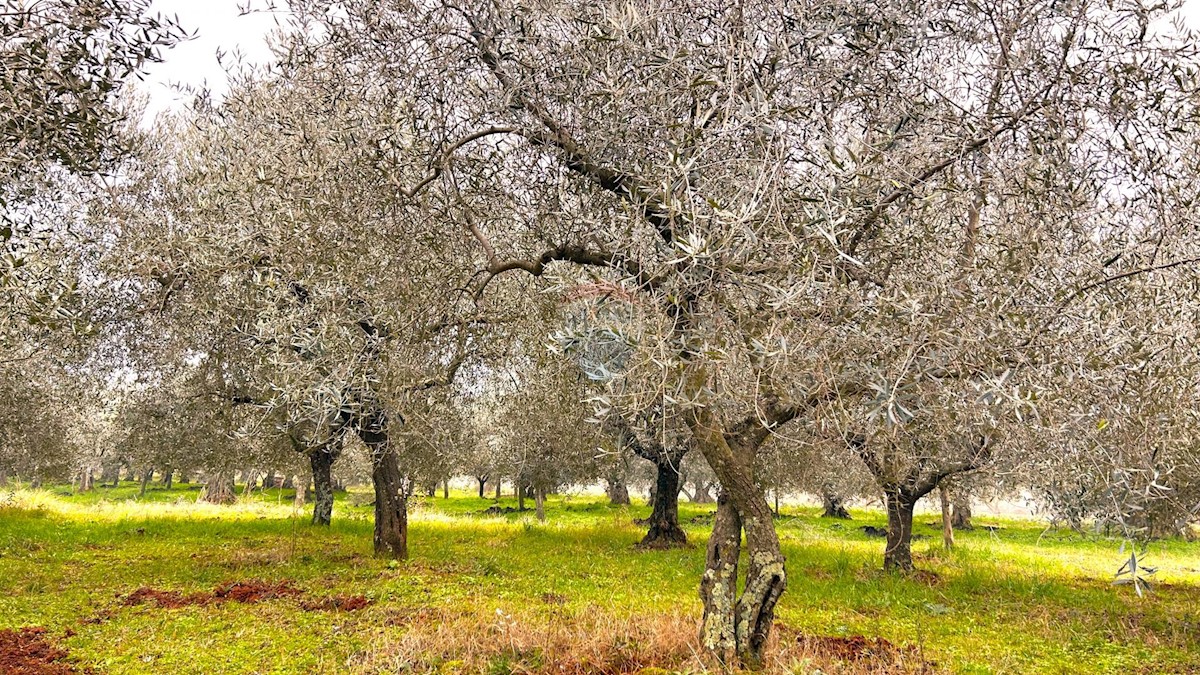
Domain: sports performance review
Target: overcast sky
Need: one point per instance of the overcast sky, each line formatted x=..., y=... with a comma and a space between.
x=220, y=27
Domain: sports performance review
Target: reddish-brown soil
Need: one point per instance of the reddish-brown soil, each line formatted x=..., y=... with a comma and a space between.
x=26, y=651
x=340, y=603
x=247, y=592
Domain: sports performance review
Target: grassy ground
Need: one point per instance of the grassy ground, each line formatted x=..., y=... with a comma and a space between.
x=500, y=595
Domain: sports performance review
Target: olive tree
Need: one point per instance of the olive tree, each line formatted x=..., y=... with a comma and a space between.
x=779, y=184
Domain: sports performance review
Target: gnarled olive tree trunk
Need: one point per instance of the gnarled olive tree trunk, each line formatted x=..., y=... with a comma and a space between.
x=391, y=488
x=737, y=625
x=664, y=530
x=617, y=491
x=898, y=554
x=219, y=488
x=960, y=518
x=904, y=485
x=321, y=463
x=832, y=503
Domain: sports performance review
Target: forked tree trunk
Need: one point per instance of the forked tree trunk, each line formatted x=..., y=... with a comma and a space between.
x=898, y=555
x=736, y=626
x=702, y=492
x=832, y=503
x=391, y=506
x=321, y=463
x=482, y=484
x=618, y=492
x=947, y=525
x=539, y=498
x=219, y=488
x=665, y=531
x=961, y=519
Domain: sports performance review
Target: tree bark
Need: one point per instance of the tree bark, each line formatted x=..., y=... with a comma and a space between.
x=499, y=484
x=898, y=555
x=742, y=506
x=219, y=489
x=482, y=484
x=618, y=492
x=149, y=473
x=446, y=488
x=85, y=480
x=168, y=477
x=391, y=506
x=947, y=524
x=3, y=478
x=961, y=518
x=321, y=462
x=665, y=531
x=718, y=586
x=520, y=498
x=832, y=502
x=539, y=497
x=702, y=492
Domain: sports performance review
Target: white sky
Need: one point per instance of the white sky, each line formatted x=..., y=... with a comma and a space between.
x=220, y=27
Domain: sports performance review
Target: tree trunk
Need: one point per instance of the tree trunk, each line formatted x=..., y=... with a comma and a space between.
x=145, y=481
x=718, y=586
x=618, y=492
x=703, y=493
x=961, y=518
x=665, y=531
x=300, y=498
x=898, y=555
x=520, y=498
x=168, y=477
x=219, y=489
x=3, y=478
x=499, y=484
x=321, y=463
x=482, y=480
x=446, y=489
x=834, y=508
x=86, y=481
x=391, y=506
x=947, y=525
x=539, y=498
x=738, y=628
x=289, y=482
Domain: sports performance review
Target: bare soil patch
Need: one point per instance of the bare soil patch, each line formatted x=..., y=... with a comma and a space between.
x=27, y=651
x=246, y=592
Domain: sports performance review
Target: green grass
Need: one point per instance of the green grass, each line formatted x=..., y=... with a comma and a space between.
x=505, y=594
